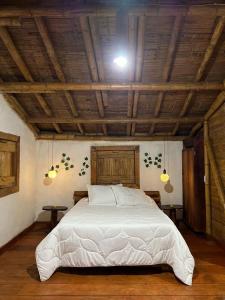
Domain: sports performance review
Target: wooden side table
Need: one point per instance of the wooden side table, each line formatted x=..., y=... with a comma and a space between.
x=172, y=211
x=54, y=213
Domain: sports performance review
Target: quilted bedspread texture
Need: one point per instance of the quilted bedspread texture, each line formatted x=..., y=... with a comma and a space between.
x=89, y=236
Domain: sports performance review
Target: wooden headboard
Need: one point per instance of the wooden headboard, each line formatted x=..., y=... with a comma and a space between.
x=115, y=164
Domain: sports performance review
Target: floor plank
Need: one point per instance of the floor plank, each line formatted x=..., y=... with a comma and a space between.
x=19, y=279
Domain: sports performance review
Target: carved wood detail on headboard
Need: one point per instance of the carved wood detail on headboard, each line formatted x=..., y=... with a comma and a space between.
x=115, y=164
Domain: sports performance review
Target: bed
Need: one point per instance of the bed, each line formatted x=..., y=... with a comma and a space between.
x=101, y=235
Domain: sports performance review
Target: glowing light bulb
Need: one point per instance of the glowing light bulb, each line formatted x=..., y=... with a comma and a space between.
x=164, y=176
x=52, y=173
x=120, y=61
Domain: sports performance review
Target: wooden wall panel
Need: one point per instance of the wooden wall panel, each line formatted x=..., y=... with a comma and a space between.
x=217, y=138
x=115, y=164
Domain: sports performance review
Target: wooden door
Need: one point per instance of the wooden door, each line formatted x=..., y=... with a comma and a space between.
x=189, y=190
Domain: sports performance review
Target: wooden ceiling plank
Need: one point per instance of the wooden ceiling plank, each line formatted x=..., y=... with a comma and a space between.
x=98, y=11
x=168, y=65
x=9, y=44
x=139, y=65
x=43, y=31
x=89, y=47
x=71, y=136
x=201, y=72
x=120, y=120
x=52, y=87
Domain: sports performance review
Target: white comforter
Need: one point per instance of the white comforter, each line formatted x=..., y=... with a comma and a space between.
x=89, y=236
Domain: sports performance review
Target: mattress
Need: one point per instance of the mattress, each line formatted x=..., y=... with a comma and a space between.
x=90, y=236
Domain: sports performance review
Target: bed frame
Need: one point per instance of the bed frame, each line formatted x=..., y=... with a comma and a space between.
x=113, y=165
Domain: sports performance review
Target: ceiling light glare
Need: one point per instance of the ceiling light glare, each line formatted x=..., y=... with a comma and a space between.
x=120, y=61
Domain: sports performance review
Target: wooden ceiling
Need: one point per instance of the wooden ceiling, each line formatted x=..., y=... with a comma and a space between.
x=57, y=71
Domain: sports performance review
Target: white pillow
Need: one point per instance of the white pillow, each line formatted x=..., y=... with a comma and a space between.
x=129, y=197
x=101, y=195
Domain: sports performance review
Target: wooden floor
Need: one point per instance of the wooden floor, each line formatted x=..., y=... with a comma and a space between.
x=19, y=277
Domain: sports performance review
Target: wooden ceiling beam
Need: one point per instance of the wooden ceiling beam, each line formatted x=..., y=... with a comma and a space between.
x=220, y=99
x=72, y=136
x=9, y=44
x=103, y=97
x=215, y=171
x=57, y=128
x=96, y=48
x=211, y=48
x=58, y=120
x=85, y=29
x=216, y=35
x=168, y=65
x=212, y=10
x=10, y=21
x=132, y=47
x=206, y=59
x=174, y=131
x=51, y=87
x=42, y=28
x=98, y=55
x=89, y=47
x=140, y=48
x=43, y=31
x=195, y=128
x=139, y=65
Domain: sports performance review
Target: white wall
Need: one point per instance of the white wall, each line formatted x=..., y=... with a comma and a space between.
x=60, y=192
x=17, y=210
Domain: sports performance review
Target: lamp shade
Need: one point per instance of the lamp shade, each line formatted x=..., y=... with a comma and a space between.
x=164, y=176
